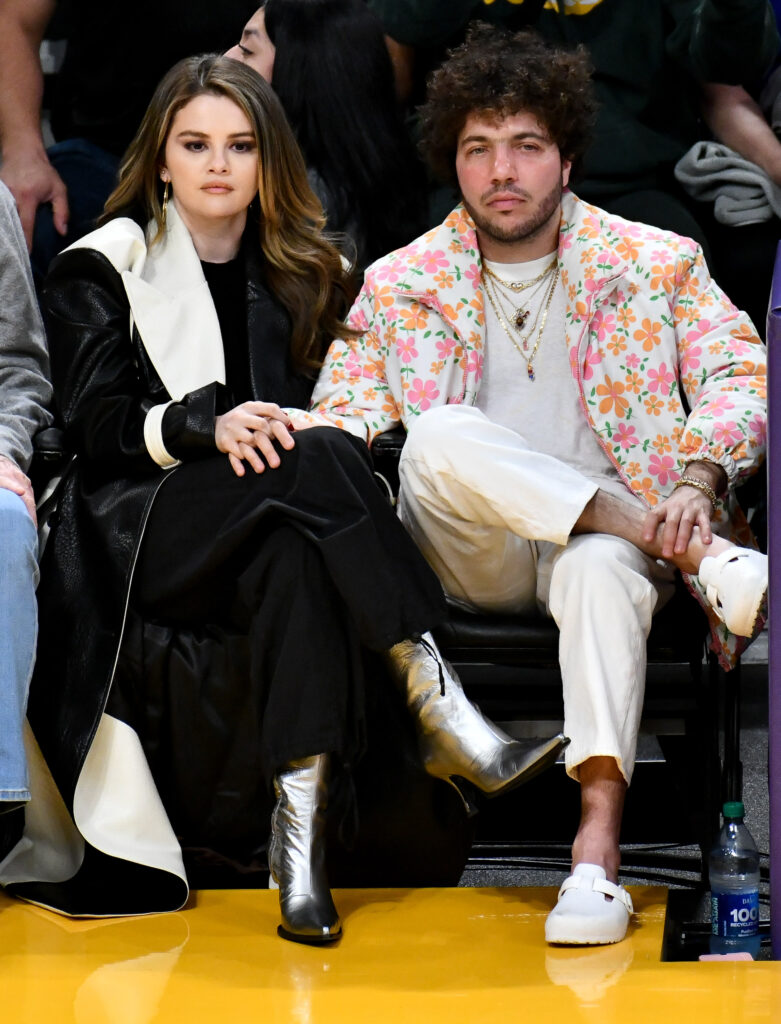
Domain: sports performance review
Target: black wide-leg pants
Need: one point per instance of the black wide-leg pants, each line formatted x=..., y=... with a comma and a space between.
x=262, y=591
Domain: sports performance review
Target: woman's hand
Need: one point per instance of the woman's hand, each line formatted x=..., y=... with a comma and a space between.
x=248, y=432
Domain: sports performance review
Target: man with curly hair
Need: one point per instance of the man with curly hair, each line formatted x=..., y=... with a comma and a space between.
x=580, y=400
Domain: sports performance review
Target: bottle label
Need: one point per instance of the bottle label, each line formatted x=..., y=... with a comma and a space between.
x=735, y=915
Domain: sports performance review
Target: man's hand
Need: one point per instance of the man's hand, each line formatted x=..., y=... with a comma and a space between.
x=686, y=508
x=33, y=181
x=248, y=431
x=13, y=479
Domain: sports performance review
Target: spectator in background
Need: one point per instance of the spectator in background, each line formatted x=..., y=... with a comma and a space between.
x=115, y=55
x=328, y=63
x=24, y=395
x=649, y=66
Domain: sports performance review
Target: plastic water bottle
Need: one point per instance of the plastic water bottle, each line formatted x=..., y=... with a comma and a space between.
x=734, y=883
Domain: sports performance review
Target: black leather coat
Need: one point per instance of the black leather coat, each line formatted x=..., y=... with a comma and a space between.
x=104, y=386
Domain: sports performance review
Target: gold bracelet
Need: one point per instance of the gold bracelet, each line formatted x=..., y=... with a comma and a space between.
x=707, y=490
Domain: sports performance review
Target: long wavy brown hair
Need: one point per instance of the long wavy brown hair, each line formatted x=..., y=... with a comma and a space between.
x=303, y=269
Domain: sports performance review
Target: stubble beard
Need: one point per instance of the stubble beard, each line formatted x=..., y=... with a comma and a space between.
x=526, y=230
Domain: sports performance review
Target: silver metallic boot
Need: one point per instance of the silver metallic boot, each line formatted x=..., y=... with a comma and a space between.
x=296, y=853
x=454, y=738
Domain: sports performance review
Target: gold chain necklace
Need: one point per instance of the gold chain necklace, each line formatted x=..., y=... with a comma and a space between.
x=528, y=359
x=520, y=314
x=519, y=286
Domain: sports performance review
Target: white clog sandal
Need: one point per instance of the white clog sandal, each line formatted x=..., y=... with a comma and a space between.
x=582, y=916
x=735, y=584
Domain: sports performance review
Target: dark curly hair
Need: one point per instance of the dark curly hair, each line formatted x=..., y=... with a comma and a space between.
x=501, y=74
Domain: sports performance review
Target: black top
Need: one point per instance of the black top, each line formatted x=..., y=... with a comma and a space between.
x=228, y=286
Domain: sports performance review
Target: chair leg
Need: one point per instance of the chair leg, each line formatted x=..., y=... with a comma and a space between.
x=732, y=786
x=712, y=775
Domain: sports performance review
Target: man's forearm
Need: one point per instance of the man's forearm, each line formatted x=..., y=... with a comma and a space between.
x=735, y=119
x=22, y=25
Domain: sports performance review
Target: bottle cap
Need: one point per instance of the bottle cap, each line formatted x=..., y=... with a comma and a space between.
x=733, y=809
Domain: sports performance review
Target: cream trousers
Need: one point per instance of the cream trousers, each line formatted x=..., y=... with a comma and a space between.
x=494, y=520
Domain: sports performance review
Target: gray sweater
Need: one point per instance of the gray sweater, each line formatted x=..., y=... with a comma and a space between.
x=25, y=390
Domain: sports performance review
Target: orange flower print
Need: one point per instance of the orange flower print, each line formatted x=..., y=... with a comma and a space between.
x=645, y=488
x=437, y=367
x=612, y=392
x=415, y=318
x=744, y=333
x=634, y=383
x=625, y=317
x=634, y=469
x=662, y=277
x=628, y=250
x=444, y=280
x=662, y=444
x=616, y=345
x=653, y=405
x=649, y=334
x=369, y=395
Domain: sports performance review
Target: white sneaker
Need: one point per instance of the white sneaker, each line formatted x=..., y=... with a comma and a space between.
x=735, y=584
x=582, y=916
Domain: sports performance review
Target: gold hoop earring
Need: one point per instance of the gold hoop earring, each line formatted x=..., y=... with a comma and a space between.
x=165, y=202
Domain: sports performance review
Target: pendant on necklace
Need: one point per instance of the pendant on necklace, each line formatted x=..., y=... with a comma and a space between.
x=521, y=316
x=530, y=372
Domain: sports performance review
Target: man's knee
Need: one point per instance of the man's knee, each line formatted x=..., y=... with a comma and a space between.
x=600, y=569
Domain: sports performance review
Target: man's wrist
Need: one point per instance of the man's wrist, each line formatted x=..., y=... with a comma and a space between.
x=708, y=472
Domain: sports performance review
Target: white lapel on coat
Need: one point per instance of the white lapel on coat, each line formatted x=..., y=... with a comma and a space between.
x=170, y=301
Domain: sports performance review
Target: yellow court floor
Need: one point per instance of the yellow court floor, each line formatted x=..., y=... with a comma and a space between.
x=459, y=956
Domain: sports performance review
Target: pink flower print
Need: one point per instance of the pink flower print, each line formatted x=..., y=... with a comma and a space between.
x=632, y=360
x=603, y=324
x=433, y=261
x=422, y=393
x=406, y=350
x=691, y=358
x=700, y=329
x=662, y=467
x=738, y=347
x=626, y=437
x=758, y=426
x=660, y=379
x=389, y=273
x=728, y=433
x=660, y=255
x=445, y=347
x=352, y=364
x=472, y=273
x=475, y=364
x=716, y=406
x=593, y=358
x=565, y=241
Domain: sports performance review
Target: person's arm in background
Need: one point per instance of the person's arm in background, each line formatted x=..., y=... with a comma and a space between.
x=25, y=167
x=736, y=119
x=25, y=391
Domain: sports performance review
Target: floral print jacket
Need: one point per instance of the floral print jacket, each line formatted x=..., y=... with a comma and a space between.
x=667, y=369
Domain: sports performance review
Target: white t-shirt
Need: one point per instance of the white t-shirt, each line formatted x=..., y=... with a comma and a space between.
x=547, y=411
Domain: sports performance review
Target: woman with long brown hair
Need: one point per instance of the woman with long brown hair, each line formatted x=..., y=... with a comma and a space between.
x=216, y=572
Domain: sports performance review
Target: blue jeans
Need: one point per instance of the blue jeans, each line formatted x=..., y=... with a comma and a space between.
x=18, y=631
